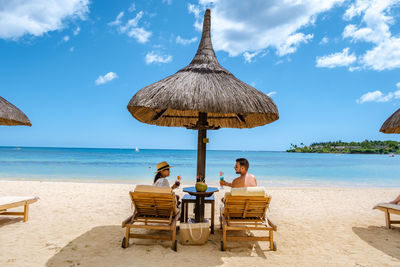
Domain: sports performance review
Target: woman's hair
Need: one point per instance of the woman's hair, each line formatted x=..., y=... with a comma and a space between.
x=158, y=176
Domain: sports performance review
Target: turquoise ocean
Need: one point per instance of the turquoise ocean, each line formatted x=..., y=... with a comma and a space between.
x=130, y=166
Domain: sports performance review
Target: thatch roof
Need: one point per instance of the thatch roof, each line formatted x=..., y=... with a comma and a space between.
x=11, y=115
x=203, y=86
x=392, y=124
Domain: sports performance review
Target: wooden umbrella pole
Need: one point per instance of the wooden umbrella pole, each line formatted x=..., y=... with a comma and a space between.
x=201, y=147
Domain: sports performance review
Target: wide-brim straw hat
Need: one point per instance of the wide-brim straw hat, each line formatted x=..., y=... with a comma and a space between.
x=163, y=166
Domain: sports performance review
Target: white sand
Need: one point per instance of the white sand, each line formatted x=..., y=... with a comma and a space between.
x=80, y=224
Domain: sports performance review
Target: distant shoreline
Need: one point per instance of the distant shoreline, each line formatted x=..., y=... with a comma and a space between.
x=339, y=147
x=366, y=153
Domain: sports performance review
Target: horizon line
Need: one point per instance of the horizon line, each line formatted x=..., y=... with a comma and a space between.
x=186, y=149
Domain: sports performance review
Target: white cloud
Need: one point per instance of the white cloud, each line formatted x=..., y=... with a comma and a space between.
x=132, y=7
x=371, y=97
x=195, y=10
x=397, y=94
x=77, y=30
x=117, y=20
x=106, y=78
x=292, y=43
x=131, y=27
x=340, y=59
x=271, y=93
x=384, y=56
x=66, y=38
x=140, y=34
x=183, y=41
x=37, y=17
x=248, y=57
x=324, y=40
x=354, y=68
x=239, y=27
x=378, y=96
x=374, y=28
x=375, y=19
x=154, y=57
x=71, y=49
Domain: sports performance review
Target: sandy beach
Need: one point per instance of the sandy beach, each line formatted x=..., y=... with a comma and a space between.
x=79, y=224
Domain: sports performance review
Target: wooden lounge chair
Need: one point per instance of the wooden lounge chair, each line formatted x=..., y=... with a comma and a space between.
x=241, y=212
x=153, y=210
x=13, y=202
x=388, y=208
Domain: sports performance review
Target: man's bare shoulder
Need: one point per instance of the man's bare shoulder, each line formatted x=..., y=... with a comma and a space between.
x=250, y=177
x=237, y=182
x=251, y=180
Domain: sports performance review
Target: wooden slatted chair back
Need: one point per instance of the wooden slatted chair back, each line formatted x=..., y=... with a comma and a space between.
x=154, y=204
x=246, y=207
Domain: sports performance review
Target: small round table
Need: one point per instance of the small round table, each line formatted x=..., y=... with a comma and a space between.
x=199, y=206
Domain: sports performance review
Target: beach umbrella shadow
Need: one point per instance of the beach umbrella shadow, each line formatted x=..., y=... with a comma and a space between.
x=101, y=246
x=385, y=240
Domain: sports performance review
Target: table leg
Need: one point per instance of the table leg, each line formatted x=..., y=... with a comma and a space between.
x=186, y=211
x=183, y=212
x=199, y=209
x=212, y=216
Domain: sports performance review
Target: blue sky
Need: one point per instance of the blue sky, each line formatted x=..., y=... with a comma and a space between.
x=331, y=67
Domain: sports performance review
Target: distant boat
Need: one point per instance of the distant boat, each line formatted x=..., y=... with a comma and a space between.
x=136, y=149
x=391, y=155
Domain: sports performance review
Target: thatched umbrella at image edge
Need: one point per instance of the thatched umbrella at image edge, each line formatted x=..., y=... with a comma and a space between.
x=10, y=115
x=392, y=124
x=203, y=96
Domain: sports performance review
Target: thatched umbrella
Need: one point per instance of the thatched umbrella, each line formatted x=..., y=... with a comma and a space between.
x=11, y=115
x=203, y=96
x=392, y=124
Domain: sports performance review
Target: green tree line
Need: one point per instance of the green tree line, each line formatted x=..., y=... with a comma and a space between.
x=364, y=147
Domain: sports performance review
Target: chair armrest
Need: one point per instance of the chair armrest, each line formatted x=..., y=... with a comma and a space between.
x=126, y=221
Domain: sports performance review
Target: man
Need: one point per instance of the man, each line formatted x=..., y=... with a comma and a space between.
x=245, y=179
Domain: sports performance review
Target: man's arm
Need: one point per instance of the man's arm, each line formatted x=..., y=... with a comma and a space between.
x=227, y=184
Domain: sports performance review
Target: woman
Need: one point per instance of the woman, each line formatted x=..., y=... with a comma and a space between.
x=162, y=173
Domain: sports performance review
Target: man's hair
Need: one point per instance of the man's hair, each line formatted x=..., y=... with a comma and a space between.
x=243, y=162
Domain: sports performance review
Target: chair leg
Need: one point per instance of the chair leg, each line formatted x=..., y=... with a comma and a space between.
x=271, y=240
x=223, y=237
x=173, y=245
x=127, y=235
x=26, y=210
x=387, y=217
x=212, y=216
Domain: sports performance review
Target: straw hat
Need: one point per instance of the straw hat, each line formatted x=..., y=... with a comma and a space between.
x=162, y=166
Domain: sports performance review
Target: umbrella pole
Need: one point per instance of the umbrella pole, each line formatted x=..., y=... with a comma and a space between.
x=201, y=147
